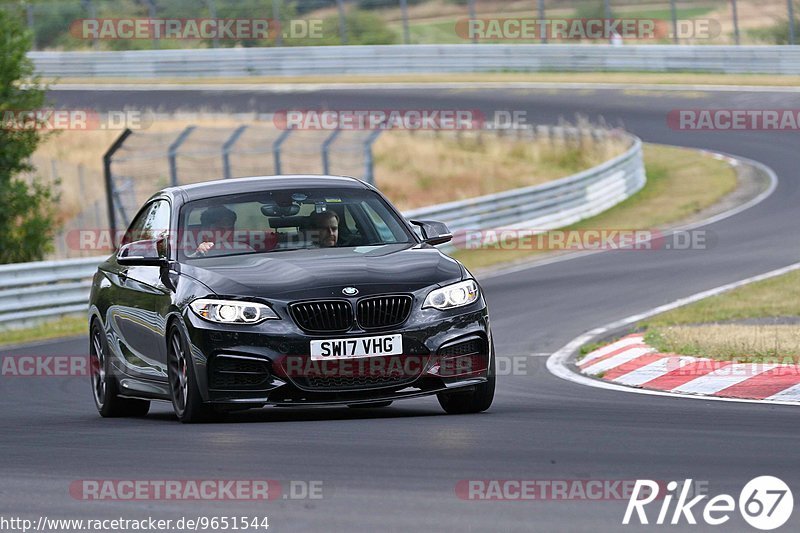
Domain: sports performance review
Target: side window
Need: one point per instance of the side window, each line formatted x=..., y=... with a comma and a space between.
x=381, y=227
x=151, y=222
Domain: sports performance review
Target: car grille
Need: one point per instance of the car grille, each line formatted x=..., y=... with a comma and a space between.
x=235, y=372
x=323, y=316
x=383, y=311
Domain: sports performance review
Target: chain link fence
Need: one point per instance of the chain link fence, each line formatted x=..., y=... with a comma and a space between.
x=59, y=24
x=149, y=161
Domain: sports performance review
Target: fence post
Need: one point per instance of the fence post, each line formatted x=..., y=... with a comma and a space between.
x=276, y=149
x=172, y=153
x=791, y=20
x=152, y=13
x=543, y=36
x=369, y=160
x=404, y=11
x=212, y=13
x=29, y=17
x=325, y=149
x=112, y=219
x=342, y=21
x=226, y=150
x=674, y=11
x=736, y=21
x=276, y=18
x=473, y=16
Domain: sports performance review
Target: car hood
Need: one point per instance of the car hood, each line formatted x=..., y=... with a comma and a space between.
x=319, y=273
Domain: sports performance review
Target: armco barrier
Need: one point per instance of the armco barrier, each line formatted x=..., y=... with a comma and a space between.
x=30, y=292
x=399, y=59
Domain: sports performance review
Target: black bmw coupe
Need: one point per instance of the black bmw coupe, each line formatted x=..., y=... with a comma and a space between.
x=284, y=291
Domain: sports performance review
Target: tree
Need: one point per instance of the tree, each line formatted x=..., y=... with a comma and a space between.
x=27, y=211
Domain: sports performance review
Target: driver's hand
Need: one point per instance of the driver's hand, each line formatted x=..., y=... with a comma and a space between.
x=204, y=247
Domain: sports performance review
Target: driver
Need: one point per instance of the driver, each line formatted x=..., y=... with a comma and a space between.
x=324, y=229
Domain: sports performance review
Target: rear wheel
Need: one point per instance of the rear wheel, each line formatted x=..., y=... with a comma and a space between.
x=186, y=399
x=472, y=401
x=371, y=405
x=104, y=385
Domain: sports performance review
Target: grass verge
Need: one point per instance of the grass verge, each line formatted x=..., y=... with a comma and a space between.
x=54, y=329
x=759, y=322
x=680, y=182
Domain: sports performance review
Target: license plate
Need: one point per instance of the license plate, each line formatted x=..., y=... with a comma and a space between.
x=356, y=347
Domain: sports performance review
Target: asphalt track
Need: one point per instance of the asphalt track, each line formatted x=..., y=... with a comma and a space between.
x=396, y=469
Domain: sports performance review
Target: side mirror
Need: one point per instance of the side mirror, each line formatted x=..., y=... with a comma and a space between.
x=141, y=253
x=433, y=232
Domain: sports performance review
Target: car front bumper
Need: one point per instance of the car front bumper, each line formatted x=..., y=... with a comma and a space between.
x=269, y=364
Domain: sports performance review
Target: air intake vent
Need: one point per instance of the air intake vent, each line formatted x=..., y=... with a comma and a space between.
x=384, y=311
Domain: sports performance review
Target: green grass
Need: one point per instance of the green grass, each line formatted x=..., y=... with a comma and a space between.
x=708, y=328
x=680, y=182
x=56, y=329
x=775, y=297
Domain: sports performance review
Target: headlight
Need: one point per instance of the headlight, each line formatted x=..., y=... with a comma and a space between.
x=455, y=295
x=232, y=311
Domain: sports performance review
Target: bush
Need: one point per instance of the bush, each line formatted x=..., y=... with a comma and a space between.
x=27, y=216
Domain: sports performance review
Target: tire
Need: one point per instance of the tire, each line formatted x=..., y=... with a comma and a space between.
x=371, y=405
x=477, y=400
x=104, y=385
x=186, y=399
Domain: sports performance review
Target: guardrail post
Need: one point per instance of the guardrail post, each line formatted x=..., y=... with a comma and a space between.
x=226, y=150
x=112, y=217
x=369, y=170
x=325, y=151
x=276, y=149
x=172, y=153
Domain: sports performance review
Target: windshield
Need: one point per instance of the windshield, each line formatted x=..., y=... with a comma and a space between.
x=290, y=219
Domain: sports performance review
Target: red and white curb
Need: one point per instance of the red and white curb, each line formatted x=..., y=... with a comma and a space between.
x=630, y=361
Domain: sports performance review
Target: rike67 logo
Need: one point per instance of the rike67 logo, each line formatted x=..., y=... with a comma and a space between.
x=765, y=503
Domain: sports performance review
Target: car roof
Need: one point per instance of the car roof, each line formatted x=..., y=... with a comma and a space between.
x=210, y=189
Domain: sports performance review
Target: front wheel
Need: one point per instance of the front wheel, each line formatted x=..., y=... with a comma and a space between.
x=186, y=399
x=104, y=386
x=476, y=400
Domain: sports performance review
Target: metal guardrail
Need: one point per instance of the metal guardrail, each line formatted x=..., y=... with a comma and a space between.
x=397, y=59
x=30, y=292
x=548, y=206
